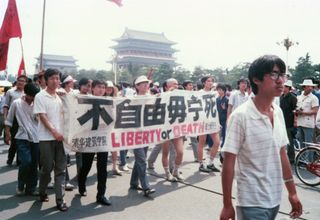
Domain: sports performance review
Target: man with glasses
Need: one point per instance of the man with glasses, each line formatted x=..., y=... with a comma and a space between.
x=256, y=141
x=11, y=95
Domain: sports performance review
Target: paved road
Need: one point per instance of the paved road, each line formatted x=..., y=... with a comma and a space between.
x=198, y=198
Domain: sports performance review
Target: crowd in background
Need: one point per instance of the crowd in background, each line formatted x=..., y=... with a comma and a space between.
x=33, y=118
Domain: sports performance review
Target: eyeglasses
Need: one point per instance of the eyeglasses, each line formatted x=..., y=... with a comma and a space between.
x=275, y=75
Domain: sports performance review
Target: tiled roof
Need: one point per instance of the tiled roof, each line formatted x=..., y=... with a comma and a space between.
x=58, y=58
x=147, y=36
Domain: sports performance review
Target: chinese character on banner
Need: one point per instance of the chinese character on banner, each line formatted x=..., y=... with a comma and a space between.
x=195, y=105
x=177, y=109
x=154, y=114
x=95, y=112
x=128, y=116
x=210, y=105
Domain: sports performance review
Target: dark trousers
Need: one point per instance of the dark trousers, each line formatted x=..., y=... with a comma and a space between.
x=87, y=159
x=28, y=169
x=13, y=146
x=290, y=147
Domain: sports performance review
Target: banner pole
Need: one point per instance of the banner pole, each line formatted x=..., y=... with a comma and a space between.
x=42, y=36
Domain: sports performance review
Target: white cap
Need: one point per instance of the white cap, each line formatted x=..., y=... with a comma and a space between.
x=141, y=79
x=288, y=83
x=156, y=84
x=307, y=82
x=109, y=83
x=69, y=79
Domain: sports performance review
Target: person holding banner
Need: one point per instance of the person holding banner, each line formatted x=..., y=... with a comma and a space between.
x=98, y=89
x=188, y=86
x=139, y=171
x=48, y=106
x=172, y=84
x=207, y=82
x=112, y=91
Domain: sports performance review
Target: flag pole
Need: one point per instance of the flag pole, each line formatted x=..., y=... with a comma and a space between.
x=42, y=36
x=22, y=55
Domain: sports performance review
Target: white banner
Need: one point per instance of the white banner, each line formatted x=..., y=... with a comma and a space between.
x=98, y=124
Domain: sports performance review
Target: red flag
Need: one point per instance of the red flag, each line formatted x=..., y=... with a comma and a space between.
x=11, y=25
x=118, y=2
x=22, y=70
x=3, y=55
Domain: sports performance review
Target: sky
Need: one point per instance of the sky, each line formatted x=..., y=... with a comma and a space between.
x=208, y=33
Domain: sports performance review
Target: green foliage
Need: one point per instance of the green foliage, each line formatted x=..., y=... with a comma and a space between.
x=162, y=73
x=237, y=72
x=197, y=74
x=94, y=74
x=304, y=69
x=181, y=75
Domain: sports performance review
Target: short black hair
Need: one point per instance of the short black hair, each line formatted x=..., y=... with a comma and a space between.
x=50, y=72
x=23, y=76
x=222, y=87
x=31, y=89
x=164, y=86
x=185, y=83
x=205, y=78
x=262, y=66
x=97, y=82
x=83, y=81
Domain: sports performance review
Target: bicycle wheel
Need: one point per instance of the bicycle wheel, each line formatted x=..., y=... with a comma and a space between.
x=307, y=166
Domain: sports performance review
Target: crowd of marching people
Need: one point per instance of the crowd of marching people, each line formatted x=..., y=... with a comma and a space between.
x=33, y=119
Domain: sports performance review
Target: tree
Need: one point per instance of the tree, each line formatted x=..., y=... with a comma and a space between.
x=94, y=74
x=181, y=75
x=304, y=69
x=237, y=72
x=162, y=73
x=198, y=73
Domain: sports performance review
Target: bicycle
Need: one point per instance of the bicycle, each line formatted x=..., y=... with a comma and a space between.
x=307, y=164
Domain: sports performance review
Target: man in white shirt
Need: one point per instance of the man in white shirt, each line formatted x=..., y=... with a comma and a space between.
x=11, y=95
x=305, y=115
x=48, y=106
x=26, y=139
x=238, y=97
x=256, y=143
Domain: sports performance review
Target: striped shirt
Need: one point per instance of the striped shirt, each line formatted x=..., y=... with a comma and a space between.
x=251, y=136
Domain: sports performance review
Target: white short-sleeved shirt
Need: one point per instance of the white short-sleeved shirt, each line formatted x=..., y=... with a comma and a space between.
x=251, y=136
x=237, y=98
x=27, y=121
x=306, y=103
x=11, y=95
x=52, y=106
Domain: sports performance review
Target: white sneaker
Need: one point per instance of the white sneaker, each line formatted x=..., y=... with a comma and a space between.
x=69, y=187
x=170, y=178
x=19, y=192
x=51, y=185
x=178, y=176
x=150, y=165
x=124, y=168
